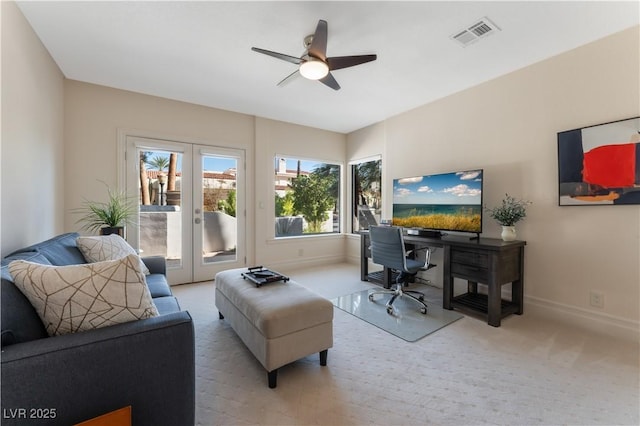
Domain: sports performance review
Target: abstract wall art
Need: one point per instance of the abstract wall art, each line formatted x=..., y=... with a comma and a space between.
x=600, y=165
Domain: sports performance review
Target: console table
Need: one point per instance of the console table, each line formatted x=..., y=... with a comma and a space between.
x=488, y=261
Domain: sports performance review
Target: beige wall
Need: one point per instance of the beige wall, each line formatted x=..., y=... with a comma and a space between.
x=32, y=152
x=508, y=127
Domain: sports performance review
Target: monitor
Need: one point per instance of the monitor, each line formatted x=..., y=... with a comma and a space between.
x=440, y=202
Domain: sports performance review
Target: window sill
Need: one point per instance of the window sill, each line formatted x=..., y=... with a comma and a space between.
x=284, y=240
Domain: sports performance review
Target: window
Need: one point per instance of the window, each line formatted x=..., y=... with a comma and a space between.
x=366, y=194
x=307, y=197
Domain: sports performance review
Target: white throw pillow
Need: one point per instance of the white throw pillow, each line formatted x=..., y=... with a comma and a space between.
x=106, y=247
x=83, y=297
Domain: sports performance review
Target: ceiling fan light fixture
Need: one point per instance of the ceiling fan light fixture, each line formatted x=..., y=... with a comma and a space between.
x=314, y=69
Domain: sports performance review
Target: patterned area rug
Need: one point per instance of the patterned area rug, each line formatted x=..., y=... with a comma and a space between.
x=406, y=323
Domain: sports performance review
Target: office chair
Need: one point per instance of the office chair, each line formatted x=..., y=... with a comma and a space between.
x=387, y=249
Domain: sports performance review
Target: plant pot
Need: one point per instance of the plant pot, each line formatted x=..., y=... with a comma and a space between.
x=173, y=198
x=108, y=230
x=508, y=233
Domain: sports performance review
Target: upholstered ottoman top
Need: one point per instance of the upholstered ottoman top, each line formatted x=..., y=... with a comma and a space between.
x=277, y=308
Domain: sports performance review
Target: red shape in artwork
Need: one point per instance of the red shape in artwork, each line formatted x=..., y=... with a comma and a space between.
x=610, y=166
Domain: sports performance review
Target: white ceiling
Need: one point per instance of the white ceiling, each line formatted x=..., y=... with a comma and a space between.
x=200, y=52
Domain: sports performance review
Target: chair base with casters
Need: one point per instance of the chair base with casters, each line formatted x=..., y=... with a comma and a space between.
x=397, y=292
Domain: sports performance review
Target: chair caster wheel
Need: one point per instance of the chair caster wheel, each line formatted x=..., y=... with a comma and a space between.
x=371, y=297
x=423, y=311
x=389, y=310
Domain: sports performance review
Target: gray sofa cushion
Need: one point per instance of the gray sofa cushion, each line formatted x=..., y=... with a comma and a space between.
x=20, y=321
x=158, y=286
x=60, y=250
x=29, y=256
x=166, y=305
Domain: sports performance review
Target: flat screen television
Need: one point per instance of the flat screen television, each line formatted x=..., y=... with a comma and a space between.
x=439, y=202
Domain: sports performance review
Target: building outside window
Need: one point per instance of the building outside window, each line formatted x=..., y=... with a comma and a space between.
x=366, y=177
x=307, y=197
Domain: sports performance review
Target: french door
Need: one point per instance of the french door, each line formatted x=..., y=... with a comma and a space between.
x=191, y=206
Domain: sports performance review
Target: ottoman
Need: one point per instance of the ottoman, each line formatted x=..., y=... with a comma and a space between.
x=279, y=322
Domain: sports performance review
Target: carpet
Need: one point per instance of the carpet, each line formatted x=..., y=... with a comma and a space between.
x=407, y=323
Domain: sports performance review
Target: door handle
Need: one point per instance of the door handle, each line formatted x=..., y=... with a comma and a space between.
x=197, y=220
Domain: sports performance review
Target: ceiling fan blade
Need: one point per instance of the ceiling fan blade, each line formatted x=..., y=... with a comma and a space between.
x=318, y=48
x=340, y=62
x=289, y=78
x=277, y=55
x=330, y=81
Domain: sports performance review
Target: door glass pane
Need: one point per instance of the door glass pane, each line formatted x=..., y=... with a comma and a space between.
x=220, y=230
x=367, y=195
x=160, y=217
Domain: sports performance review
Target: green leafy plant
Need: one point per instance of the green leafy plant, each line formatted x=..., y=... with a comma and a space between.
x=228, y=206
x=284, y=205
x=118, y=211
x=159, y=162
x=510, y=211
x=312, y=198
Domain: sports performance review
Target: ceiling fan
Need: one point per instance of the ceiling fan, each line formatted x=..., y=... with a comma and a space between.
x=314, y=64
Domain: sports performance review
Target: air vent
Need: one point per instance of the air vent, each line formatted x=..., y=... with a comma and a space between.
x=480, y=29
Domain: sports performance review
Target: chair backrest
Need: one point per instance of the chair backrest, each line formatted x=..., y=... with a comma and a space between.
x=387, y=247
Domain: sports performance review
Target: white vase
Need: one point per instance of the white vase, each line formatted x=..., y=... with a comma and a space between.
x=508, y=233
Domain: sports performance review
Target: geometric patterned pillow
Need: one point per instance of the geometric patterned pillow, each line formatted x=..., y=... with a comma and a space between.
x=83, y=297
x=106, y=247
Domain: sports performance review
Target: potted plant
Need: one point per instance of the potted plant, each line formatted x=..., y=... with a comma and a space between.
x=510, y=212
x=108, y=217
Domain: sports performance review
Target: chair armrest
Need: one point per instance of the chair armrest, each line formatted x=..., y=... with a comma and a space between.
x=156, y=264
x=419, y=249
x=427, y=255
x=148, y=364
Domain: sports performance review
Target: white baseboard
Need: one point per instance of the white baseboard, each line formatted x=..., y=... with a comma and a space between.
x=352, y=259
x=297, y=263
x=589, y=320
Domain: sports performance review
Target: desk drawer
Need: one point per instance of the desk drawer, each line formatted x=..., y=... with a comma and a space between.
x=471, y=273
x=469, y=257
x=470, y=265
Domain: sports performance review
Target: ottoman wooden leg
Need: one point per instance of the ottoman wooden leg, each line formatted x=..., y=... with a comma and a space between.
x=272, y=377
x=323, y=357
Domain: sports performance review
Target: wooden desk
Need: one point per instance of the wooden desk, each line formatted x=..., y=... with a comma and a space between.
x=488, y=261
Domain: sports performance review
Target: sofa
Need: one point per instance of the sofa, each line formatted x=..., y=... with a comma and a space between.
x=147, y=364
